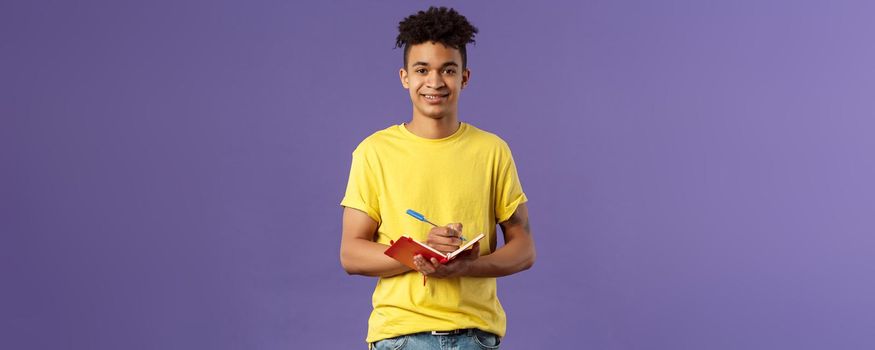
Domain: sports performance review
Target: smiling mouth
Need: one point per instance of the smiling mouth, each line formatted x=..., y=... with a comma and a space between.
x=433, y=97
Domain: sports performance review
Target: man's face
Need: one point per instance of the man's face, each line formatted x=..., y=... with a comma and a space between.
x=434, y=78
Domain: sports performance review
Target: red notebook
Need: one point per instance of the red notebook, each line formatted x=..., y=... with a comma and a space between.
x=405, y=248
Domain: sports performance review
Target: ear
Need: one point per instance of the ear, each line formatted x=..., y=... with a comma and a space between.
x=402, y=73
x=466, y=76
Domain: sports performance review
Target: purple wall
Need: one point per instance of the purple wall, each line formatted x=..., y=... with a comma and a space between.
x=699, y=175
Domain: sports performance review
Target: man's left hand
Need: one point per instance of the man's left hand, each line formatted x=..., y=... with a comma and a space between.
x=455, y=268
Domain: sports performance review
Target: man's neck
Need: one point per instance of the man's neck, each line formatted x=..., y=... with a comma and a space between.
x=433, y=128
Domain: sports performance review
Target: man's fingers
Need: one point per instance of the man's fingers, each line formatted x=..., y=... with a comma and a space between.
x=445, y=239
x=434, y=240
x=451, y=230
x=430, y=267
x=443, y=232
x=456, y=226
x=445, y=245
x=446, y=232
x=422, y=265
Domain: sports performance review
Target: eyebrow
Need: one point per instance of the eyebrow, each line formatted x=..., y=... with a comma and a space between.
x=446, y=64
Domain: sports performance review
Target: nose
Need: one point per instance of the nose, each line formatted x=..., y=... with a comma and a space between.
x=434, y=80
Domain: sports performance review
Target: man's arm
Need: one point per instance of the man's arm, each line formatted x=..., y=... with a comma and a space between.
x=517, y=254
x=359, y=254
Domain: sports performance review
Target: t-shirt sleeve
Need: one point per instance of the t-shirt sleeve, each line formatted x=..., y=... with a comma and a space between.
x=509, y=191
x=361, y=189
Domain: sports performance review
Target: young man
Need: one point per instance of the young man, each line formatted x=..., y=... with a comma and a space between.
x=451, y=172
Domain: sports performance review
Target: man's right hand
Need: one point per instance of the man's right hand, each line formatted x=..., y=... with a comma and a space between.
x=445, y=239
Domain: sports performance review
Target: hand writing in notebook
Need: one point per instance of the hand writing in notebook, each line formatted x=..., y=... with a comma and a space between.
x=455, y=268
x=446, y=239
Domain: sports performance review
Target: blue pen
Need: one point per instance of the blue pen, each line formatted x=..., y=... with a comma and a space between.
x=422, y=218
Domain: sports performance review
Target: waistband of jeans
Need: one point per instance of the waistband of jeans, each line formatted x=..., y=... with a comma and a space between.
x=463, y=331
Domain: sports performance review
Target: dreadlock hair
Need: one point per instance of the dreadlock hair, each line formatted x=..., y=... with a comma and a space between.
x=437, y=24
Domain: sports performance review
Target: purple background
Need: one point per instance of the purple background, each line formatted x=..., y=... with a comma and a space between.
x=699, y=174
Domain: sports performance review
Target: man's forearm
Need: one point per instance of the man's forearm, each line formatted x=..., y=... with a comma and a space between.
x=515, y=256
x=361, y=257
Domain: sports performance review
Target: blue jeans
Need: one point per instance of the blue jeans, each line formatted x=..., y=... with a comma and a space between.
x=472, y=339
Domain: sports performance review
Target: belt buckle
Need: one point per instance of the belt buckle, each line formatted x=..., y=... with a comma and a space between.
x=453, y=332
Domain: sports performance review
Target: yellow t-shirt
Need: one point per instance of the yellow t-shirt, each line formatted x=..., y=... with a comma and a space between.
x=467, y=177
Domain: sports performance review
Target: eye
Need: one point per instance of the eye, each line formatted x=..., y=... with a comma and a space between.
x=421, y=70
x=450, y=71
